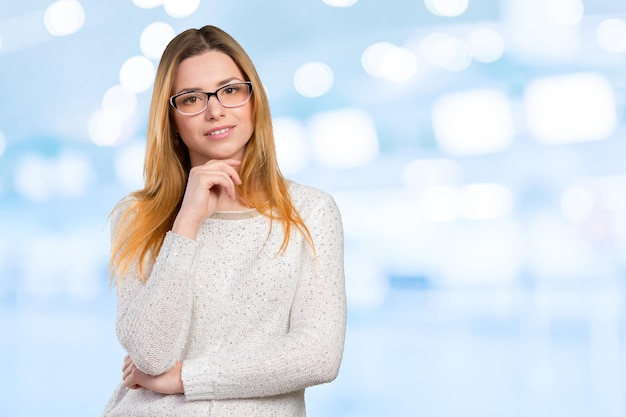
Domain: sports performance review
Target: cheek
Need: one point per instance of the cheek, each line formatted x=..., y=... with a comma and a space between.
x=182, y=125
x=248, y=117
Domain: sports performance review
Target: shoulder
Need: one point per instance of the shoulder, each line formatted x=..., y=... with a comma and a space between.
x=121, y=208
x=310, y=200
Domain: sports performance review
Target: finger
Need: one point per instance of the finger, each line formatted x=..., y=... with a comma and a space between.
x=126, y=372
x=228, y=165
x=134, y=379
x=223, y=180
x=126, y=362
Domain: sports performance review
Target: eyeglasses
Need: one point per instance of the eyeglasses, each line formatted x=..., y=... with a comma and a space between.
x=195, y=102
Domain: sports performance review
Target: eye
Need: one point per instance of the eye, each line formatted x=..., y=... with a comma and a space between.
x=191, y=98
x=231, y=89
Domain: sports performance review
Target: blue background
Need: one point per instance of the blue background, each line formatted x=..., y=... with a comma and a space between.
x=506, y=300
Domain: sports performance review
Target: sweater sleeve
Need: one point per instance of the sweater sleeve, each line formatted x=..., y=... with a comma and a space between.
x=311, y=351
x=153, y=317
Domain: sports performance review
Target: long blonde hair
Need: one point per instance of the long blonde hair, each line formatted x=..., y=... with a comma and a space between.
x=142, y=226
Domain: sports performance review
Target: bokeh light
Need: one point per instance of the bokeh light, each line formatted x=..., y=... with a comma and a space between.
x=39, y=178
x=427, y=172
x=473, y=122
x=340, y=3
x=155, y=38
x=105, y=129
x=180, y=8
x=291, y=145
x=447, y=8
x=137, y=74
x=611, y=35
x=576, y=203
x=566, y=12
x=3, y=143
x=482, y=201
x=344, y=138
x=147, y=4
x=446, y=51
x=119, y=103
x=313, y=79
x=486, y=45
x=64, y=17
x=570, y=108
x=128, y=164
x=388, y=61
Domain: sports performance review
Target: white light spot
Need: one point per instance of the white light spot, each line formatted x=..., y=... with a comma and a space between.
x=73, y=174
x=54, y=276
x=147, y=4
x=340, y=3
x=313, y=79
x=486, y=201
x=388, y=61
x=439, y=203
x=576, y=203
x=447, y=8
x=487, y=45
x=487, y=255
x=3, y=143
x=104, y=129
x=532, y=32
x=446, y=51
x=38, y=178
x=368, y=286
x=180, y=8
x=344, y=138
x=137, y=74
x=155, y=38
x=64, y=17
x=473, y=122
x=428, y=172
x=119, y=103
x=611, y=35
x=291, y=148
x=33, y=178
x=570, y=108
x=557, y=250
x=566, y=12
x=373, y=57
x=129, y=165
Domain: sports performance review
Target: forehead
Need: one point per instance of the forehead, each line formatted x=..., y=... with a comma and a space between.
x=208, y=70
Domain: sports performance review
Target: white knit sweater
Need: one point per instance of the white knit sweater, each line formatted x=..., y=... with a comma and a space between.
x=252, y=327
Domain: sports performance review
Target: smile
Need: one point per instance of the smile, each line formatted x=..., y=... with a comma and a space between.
x=219, y=132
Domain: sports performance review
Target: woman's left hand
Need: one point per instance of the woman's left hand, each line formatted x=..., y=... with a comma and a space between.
x=169, y=382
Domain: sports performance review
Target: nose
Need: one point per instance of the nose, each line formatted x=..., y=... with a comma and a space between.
x=214, y=109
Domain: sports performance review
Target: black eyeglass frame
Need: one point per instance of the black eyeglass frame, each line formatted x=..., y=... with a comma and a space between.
x=209, y=94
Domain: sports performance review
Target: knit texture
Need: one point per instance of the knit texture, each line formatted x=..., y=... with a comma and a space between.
x=253, y=327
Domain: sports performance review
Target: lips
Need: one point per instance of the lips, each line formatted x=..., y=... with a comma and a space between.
x=219, y=131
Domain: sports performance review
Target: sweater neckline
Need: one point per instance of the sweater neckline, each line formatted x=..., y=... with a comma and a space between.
x=235, y=215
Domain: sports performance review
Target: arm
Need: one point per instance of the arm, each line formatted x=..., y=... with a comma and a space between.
x=153, y=318
x=310, y=353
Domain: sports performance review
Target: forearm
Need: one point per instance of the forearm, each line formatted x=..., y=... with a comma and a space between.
x=288, y=364
x=153, y=320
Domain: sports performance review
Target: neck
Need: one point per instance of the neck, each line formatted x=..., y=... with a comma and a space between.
x=225, y=203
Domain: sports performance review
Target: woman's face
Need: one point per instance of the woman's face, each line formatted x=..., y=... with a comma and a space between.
x=217, y=132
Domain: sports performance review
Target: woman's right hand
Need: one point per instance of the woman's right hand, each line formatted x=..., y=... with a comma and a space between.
x=205, y=187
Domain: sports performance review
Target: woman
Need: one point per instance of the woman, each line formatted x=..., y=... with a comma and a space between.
x=230, y=281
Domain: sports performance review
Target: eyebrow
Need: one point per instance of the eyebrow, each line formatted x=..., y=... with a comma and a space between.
x=221, y=84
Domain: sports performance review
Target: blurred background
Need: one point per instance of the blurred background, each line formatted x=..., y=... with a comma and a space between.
x=475, y=147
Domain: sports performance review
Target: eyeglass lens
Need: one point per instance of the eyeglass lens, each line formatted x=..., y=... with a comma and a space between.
x=231, y=95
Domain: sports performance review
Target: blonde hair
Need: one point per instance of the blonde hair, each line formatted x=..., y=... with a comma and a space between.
x=141, y=229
